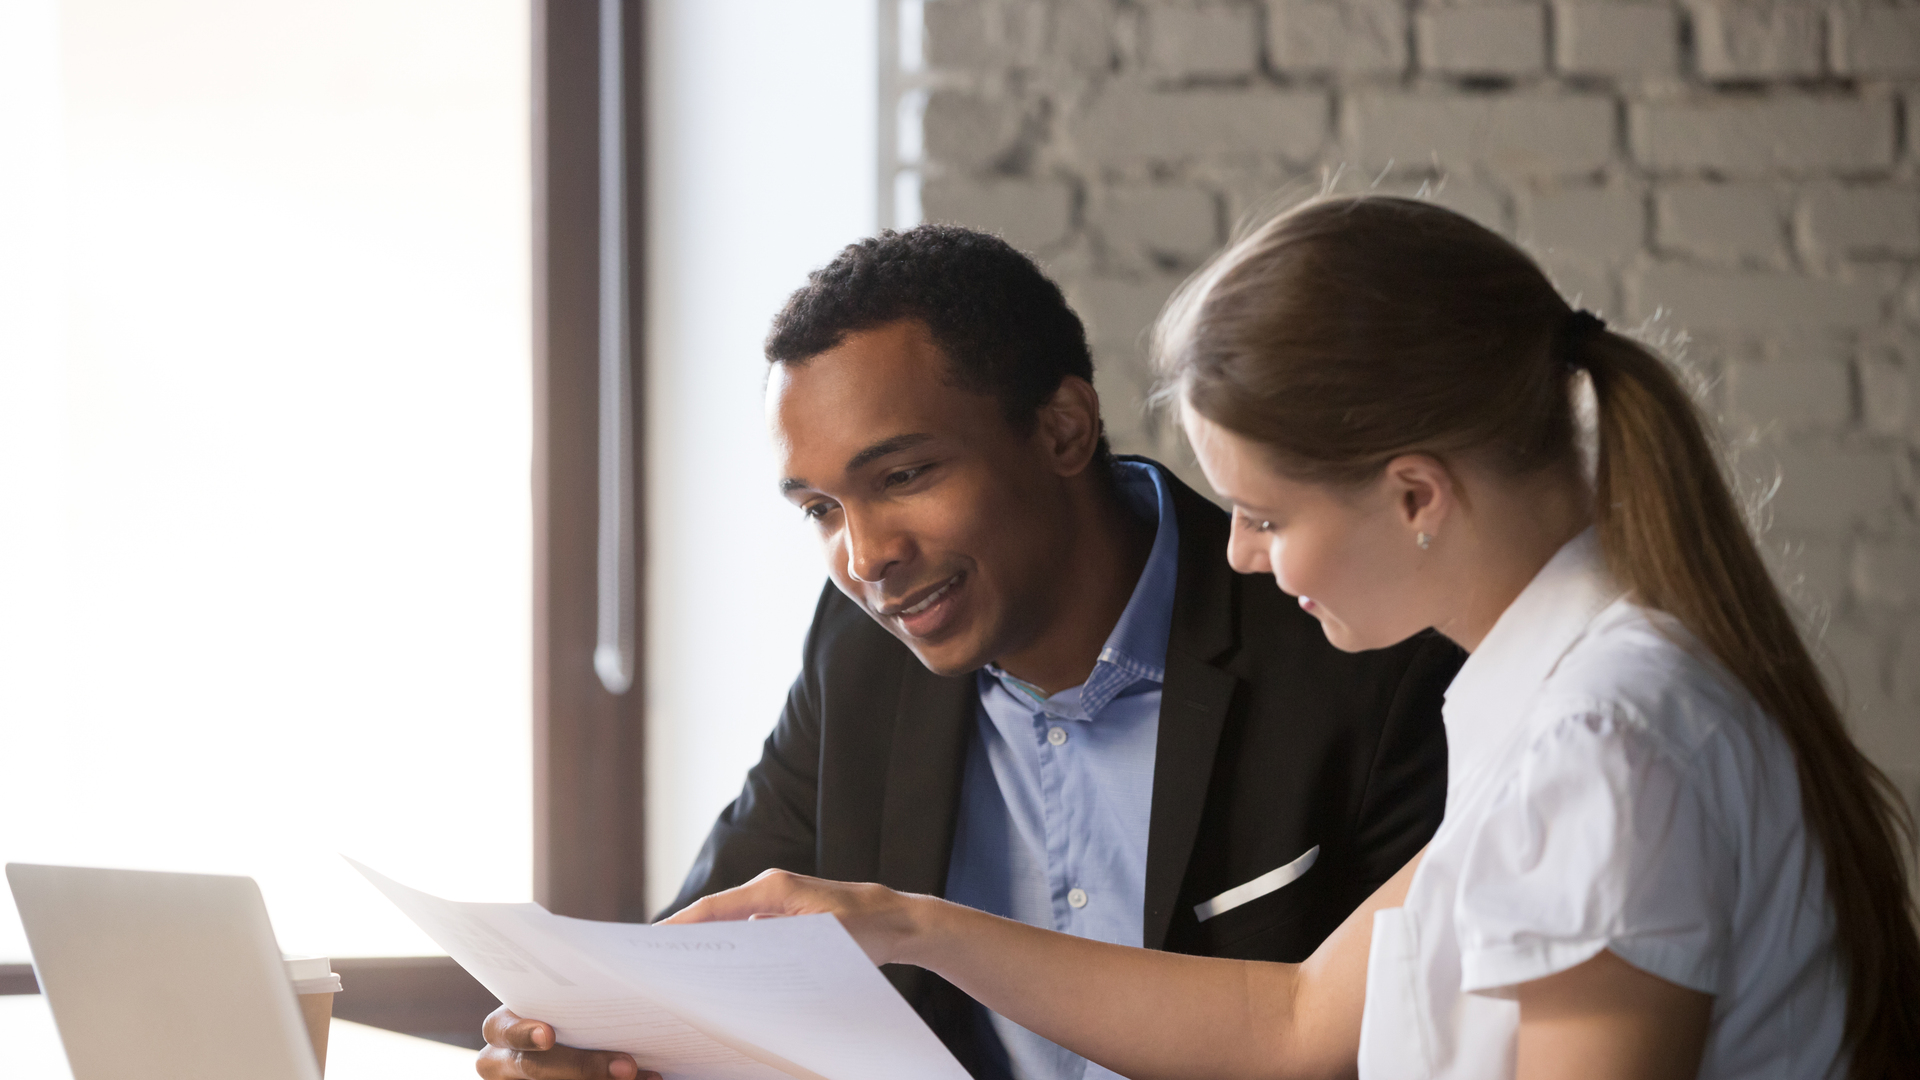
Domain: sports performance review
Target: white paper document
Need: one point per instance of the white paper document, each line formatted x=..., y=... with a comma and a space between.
x=791, y=997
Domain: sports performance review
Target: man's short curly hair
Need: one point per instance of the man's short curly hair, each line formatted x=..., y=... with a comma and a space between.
x=1004, y=326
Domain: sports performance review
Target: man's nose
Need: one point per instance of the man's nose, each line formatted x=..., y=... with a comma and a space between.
x=873, y=549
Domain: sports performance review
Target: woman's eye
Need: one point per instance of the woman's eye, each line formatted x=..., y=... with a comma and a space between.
x=1255, y=524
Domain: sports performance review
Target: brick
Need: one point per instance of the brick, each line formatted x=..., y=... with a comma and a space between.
x=1889, y=734
x=1119, y=313
x=967, y=131
x=1502, y=39
x=1030, y=216
x=1723, y=223
x=1464, y=195
x=1797, y=134
x=1750, y=301
x=957, y=34
x=1363, y=37
x=1180, y=223
x=1746, y=40
x=1202, y=41
x=1883, y=41
x=1886, y=573
x=1585, y=283
x=1825, y=488
x=978, y=35
x=1810, y=572
x=1128, y=124
x=1854, y=659
x=1906, y=668
x=1616, y=39
x=1596, y=223
x=1838, y=222
x=1558, y=135
x=1789, y=395
x=1125, y=382
x=1889, y=394
x=1082, y=34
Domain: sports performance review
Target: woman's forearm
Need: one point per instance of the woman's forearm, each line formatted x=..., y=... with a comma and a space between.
x=1142, y=1014
x=1149, y=1014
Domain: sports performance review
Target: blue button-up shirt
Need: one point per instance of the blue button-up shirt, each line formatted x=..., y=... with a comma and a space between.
x=1058, y=790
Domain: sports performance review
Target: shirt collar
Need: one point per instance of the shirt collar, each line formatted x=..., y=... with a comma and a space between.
x=1493, y=689
x=1137, y=648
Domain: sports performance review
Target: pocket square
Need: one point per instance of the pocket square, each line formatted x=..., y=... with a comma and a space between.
x=1253, y=890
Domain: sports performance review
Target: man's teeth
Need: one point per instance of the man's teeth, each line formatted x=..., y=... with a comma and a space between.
x=929, y=601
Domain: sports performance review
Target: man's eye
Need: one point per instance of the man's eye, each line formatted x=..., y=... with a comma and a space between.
x=816, y=511
x=904, y=476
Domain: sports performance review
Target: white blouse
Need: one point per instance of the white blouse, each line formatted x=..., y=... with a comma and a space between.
x=1610, y=787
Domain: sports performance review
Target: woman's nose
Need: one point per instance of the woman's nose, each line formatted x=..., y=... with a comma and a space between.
x=1247, y=555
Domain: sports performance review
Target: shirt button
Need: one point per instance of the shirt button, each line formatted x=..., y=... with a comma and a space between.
x=1058, y=737
x=1078, y=897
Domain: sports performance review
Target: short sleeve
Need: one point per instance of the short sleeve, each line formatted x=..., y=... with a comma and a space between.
x=1598, y=839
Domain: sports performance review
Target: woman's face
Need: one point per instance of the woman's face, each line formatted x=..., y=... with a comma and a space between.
x=1348, y=554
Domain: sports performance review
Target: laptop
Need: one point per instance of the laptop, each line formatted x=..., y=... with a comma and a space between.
x=161, y=976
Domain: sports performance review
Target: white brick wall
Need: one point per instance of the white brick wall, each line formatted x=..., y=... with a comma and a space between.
x=1740, y=223
x=1795, y=134
x=1743, y=39
x=1205, y=42
x=1616, y=39
x=1362, y=37
x=1131, y=125
x=1745, y=170
x=1499, y=39
x=1877, y=41
x=1546, y=134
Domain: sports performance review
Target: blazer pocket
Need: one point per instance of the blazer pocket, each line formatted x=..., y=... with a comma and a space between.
x=1272, y=881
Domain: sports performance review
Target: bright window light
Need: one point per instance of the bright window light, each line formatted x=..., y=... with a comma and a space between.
x=265, y=447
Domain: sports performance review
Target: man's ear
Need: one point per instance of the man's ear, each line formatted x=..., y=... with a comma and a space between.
x=1068, y=426
x=1424, y=493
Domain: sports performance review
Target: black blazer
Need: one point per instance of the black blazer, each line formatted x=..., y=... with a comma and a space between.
x=1271, y=741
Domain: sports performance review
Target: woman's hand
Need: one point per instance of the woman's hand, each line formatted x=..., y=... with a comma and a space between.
x=884, y=922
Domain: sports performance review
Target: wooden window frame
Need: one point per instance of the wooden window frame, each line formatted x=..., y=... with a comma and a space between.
x=589, y=745
x=589, y=828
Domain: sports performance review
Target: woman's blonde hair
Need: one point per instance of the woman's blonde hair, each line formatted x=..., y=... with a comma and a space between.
x=1348, y=331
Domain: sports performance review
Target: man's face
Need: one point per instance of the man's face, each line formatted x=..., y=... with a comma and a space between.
x=935, y=514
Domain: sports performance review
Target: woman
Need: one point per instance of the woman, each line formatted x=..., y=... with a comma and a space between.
x=1662, y=854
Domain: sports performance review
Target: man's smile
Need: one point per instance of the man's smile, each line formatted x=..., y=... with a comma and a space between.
x=924, y=613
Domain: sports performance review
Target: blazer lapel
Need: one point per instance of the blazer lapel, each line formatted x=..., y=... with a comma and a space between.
x=928, y=755
x=1193, y=704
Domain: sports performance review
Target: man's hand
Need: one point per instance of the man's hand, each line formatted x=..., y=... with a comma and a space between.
x=524, y=1050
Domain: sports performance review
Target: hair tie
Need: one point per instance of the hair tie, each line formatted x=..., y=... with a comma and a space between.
x=1578, y=325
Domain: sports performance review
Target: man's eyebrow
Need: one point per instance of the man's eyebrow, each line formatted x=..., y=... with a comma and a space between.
x=872, y=453
x=884, y=447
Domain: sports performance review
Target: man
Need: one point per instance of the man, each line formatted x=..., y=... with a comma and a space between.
x=1034, y=685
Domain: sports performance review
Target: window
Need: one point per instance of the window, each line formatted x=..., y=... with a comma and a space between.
x=264, y=391
x=762, y=166
x=277, y=352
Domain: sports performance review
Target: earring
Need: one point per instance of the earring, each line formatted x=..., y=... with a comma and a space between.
x=1423, y=540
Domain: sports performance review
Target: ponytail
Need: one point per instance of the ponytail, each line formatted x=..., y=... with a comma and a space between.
x=1673, y=535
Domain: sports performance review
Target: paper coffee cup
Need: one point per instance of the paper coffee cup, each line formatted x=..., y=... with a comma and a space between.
x=315, y=984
